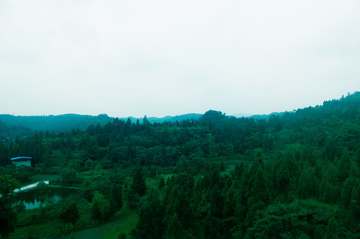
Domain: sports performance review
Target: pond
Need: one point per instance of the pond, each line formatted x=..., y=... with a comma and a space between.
x=33, y=199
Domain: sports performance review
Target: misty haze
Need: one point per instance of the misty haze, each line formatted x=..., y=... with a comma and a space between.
x=172, y=120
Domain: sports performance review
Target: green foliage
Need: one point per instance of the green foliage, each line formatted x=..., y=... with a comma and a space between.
x=7, y=185
x=70, y=214
x=307, y=184
x=133, y=199
x=216, y=202
x=175, y=229
x=96, y=214
x=331, y=229
x=100, y=208
x=260, y=190
x=212, y=115
x=138, y=186
x=295, y=175
x=161, y=183
x=150, y=224
x=8, y=217
x=291, y=220
x=116, y=197
x=69, y=177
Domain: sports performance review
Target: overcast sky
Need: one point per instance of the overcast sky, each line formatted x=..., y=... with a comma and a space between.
x=158, y=58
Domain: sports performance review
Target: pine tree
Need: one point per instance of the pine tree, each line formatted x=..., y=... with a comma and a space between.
x=241, y=207
x=229, y=205
x=214, y=175
x=100, y=208
x=222, y=166
x=259, y=199
x=139, y=185
x=355, y=203
x=249, y=176
x=343, y=166
x=260, y=189
x=346, y=191
x=116, y=199
x=283, y=178
x=122, y=236
x=70, y=214
x=151, y=219
x=211, y=227
x=238, y=171
x=216, y=202
x=95, y=212
x=319, y=232
x=133, y=199
x=307, y=184
x=161, y=183
x=175, y=229
x=330, y=232
x=152, y=172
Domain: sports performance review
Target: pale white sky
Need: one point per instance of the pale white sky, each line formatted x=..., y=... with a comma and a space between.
x=158, y=58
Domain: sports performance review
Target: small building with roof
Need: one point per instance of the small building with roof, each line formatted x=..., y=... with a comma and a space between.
x=21, y=161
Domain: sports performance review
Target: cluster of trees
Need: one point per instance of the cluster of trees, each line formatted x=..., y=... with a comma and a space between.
x=7, y=215
x=282, y=197
x=296, y=174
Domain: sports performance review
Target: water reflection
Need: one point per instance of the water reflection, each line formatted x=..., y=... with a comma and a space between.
x=34, y=199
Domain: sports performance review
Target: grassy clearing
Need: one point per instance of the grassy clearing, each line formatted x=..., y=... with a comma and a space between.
x=36, y=231
x=166, y=176
x=154, y=182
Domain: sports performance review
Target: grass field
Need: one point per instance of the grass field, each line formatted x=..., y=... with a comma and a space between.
x=36, y=231
x=125, y=225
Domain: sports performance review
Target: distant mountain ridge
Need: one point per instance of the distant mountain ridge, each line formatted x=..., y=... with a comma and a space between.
x=67, y=122
x=265, y=116
x=56, y=124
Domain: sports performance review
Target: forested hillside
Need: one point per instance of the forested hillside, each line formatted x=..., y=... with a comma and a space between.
x=294, y=175
x=9, y=132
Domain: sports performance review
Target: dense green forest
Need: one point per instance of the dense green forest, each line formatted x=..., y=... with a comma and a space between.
x=289, y=175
